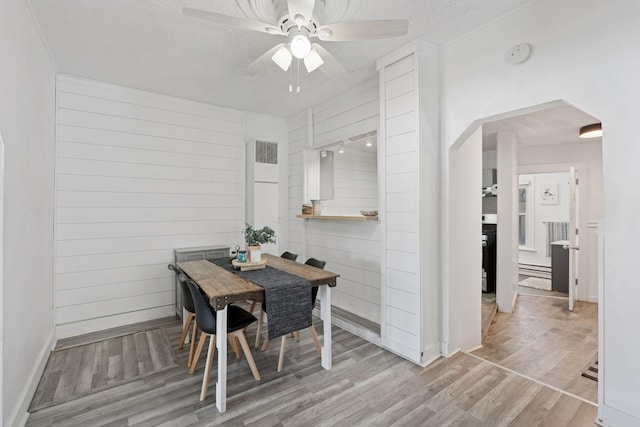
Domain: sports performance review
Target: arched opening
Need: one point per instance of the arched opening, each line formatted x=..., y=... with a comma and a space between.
x=536, y=140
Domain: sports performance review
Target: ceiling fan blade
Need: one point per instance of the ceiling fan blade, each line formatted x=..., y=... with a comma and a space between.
x=301, y=7
x=232, y=21
x=363, y=30
x=263, y=60
x=331, y=67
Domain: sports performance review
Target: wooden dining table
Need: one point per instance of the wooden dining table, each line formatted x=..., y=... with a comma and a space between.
x=224, y=287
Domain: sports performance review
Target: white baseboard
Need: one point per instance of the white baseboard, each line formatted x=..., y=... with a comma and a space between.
x=426, y=361
x=101, y=323
x=456, y=348
x=20, y=413
x=401, y=349
x=471, y=350
x=452, y=353
x=365, y=334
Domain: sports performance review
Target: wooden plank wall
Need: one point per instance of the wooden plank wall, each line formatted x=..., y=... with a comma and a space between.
x=137, y=174
x=351, y=248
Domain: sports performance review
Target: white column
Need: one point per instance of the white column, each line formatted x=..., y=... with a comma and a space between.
x=465, y=252
x=507, y=230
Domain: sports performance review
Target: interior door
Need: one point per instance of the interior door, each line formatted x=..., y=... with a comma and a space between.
x=574, y=235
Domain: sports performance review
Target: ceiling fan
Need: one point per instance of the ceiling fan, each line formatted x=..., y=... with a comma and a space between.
x=298, y=24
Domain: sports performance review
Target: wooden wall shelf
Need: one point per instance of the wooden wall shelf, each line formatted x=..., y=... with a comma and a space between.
x=340, y=217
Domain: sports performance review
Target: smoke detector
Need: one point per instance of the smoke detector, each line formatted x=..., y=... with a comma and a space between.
x=519, y=53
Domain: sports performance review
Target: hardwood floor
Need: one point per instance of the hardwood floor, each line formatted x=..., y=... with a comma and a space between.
x=367, y=386
x=542, y=339
x=86, y=369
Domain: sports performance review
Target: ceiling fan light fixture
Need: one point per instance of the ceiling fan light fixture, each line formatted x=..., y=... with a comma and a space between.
x=312, y=61
x=294, y=19
x=591, y=131
x=283, y=58
x=324, y=34
x=300, y=45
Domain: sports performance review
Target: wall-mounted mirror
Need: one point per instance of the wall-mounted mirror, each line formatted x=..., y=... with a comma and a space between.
x=344, y=175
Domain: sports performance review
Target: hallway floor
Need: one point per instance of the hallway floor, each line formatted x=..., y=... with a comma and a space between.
x=545, y=341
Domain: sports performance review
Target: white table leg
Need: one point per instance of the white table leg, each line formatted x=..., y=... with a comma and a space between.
x=221, y=344
x=325, y=315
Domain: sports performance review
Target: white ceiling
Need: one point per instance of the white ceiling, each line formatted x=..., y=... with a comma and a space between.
x=554, y=125
x=151, y=45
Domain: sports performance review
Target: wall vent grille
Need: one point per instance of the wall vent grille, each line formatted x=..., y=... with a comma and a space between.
x=267, y=152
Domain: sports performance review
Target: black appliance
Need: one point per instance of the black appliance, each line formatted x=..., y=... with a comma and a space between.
x=489, y=255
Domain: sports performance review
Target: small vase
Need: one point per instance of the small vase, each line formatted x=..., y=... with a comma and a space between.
x=255, y=254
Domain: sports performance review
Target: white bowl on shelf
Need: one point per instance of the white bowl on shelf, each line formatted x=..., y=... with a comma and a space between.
x=369, y=213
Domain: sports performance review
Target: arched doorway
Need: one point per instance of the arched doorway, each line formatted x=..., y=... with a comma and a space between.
x=544, y=135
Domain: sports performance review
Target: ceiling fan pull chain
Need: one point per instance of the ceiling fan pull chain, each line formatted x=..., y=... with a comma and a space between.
x=291, y=80
x=298, y=88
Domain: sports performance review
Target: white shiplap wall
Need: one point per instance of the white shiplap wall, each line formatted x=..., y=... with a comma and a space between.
x=401, y=329
x=410, y=208
x=351, y=248
x=137, y=175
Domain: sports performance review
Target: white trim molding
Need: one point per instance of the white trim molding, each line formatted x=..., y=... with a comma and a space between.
x=21, y=411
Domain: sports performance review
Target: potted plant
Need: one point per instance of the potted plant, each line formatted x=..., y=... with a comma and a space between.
x=256, y=237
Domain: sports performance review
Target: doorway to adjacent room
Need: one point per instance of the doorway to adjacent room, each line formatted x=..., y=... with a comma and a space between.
x=535, y=336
